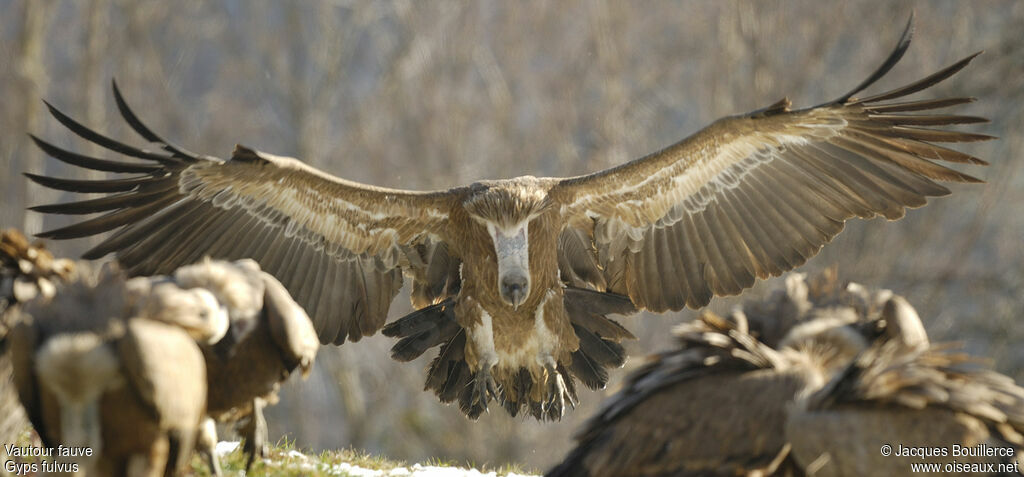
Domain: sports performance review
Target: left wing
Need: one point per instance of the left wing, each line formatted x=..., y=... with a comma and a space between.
x=756, y=195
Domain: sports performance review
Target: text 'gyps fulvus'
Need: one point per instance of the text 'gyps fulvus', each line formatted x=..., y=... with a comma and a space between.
x=513, y=278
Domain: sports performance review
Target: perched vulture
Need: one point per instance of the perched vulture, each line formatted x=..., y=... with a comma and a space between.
x=133, y=390
x=718, y=405
x=933, y=408
x=513, y=279
x=269, y=337
x=27, y=271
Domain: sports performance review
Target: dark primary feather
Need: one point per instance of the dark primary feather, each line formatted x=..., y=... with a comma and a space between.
x=448, y=373
x=108, y=143
x=102, y=204
x=141, y=128
x=80, y=160
x=87, y=186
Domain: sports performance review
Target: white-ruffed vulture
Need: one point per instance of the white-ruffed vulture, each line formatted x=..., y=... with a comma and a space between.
x=513, y=278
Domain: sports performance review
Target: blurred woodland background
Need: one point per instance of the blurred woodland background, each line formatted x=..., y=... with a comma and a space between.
x=426, y=95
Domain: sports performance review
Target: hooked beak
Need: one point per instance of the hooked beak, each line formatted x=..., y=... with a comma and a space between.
x=515, y=287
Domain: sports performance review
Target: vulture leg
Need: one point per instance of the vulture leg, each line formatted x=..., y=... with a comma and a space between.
x=255, y=433
x=152, y=464
x=207, y=446
x=554, y=408
x=484, y=387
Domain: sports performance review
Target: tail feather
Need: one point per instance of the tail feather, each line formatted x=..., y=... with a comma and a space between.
x=422, y=330
x=449, y=375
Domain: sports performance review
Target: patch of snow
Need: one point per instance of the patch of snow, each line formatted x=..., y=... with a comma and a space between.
x=225, y=447
x=345, y=468
x=417, y=470
x=305, y=462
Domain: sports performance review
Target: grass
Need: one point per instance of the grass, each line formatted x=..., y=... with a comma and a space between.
x=285, y=460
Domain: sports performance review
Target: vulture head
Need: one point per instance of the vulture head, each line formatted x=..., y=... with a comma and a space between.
x=195, y=310
x=506, y=209
x=236, y=287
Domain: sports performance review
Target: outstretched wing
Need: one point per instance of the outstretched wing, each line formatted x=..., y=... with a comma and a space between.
x=755, y=195
x=339, y=247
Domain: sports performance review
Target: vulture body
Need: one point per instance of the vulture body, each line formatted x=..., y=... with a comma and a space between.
x=513, y=279
x=921, y=402
x=27, y=271
x=719, y=404
x=270, y=336
x=132, y=389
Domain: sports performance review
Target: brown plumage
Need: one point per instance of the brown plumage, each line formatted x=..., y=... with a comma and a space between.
x=27, y=271
x=269, y=337
x=132, y=389
x=929, y=399
x=718, y=405
x=493, y=263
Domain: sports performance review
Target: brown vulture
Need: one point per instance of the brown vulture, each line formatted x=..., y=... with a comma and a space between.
x=513, y=278
x=969, y=418
x=718, y=403
x=269, y=337
x=131, y=387
x=27, y=271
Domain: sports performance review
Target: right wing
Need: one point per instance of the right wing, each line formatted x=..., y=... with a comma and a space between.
x=339, y=247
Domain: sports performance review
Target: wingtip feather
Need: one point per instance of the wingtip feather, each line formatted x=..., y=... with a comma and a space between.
x=897, y=54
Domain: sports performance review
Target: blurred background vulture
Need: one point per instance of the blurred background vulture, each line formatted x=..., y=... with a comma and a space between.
x=895, y=394
x=813, y=380
x=513, y=279
x=140, y=369
x=269, y=337
x=95, y=370
x=27, y=271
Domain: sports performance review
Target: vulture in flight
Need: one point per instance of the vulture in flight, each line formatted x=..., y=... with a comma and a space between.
x=513, y=279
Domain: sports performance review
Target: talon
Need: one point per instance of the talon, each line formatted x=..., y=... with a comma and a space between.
x=492, y=388
x=555, y=405
x=484, y=387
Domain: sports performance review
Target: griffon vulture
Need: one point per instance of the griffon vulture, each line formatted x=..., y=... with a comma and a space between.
x=929, y=405
x=719, y=403
x=513, y=278
x=27, y=271
x=132, y=389
x=269, y=337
